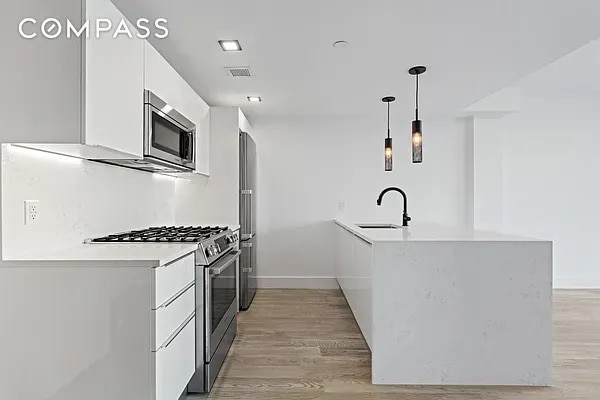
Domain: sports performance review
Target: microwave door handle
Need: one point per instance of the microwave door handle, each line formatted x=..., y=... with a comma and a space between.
x=184, y=144
x=219, y=270
x=186, y=149
x=191, y=143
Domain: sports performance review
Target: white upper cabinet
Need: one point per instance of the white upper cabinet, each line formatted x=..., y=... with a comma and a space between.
x=41, y=78
x=113, y=69
x=203, y=140
x=114, y=84
x=110, y=85
x=162, y=79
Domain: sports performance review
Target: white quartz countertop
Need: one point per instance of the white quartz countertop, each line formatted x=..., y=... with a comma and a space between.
x=109, y=254
x=106, y=254
x=422, y=232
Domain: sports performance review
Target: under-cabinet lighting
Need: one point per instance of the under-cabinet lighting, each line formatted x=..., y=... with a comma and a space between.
x=162, y=177
x=254, y=99
x=42, y=154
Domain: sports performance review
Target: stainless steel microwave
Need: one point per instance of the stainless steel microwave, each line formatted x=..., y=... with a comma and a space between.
x=169, y=137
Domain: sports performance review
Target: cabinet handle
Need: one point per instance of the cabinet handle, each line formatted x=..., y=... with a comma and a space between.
x=364, y=240
x=175, y=296
x=174, y=261
x=177, y=332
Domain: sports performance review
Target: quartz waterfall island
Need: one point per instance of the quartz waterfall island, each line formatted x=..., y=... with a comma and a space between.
x=440, y=305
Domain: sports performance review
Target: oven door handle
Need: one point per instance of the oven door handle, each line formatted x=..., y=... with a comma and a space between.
x=218, y=270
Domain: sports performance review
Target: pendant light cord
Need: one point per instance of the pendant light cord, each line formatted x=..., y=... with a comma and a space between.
x=417, y=99
x=388, y=120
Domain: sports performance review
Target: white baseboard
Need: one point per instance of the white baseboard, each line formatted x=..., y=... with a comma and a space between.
x=297, y=282
x=576, y=282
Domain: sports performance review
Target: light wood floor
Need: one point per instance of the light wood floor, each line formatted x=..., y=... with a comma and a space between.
x=304, y=344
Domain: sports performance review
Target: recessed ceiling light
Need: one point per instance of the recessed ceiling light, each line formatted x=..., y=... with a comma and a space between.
x=230, y=45
x=254, y=99
x=340, y=44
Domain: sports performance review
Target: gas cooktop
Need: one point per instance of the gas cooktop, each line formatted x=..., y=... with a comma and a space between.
x=164, y=234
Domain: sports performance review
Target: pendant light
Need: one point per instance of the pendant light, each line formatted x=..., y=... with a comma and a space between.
x=388, y=139
x=417, y=124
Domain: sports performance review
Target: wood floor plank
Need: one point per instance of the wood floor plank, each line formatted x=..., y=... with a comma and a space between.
x=304, y=344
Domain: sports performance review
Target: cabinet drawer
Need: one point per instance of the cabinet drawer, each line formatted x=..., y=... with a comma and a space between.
x=171, y=278
x=175, y=363
x=169, y=316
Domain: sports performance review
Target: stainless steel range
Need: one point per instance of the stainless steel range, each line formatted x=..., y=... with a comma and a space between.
x=216, y=292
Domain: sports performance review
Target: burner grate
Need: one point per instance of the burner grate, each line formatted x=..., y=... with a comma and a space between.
x=164, y=234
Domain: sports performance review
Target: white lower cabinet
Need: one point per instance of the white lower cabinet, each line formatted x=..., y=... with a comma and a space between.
x=122, y=345
x=171, y=278
x=174, y=325
x=169, y=316
x=354, y=270
x=362, y=293
x=176, y=362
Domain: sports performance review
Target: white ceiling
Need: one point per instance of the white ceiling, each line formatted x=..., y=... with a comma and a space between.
x=471, y=48
x=577, y=73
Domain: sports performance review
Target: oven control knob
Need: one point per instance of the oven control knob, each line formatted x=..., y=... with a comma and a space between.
x=230, y=239
x=217, y=249
x=209, y=252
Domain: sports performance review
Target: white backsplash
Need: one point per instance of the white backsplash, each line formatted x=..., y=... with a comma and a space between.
x=77, y=199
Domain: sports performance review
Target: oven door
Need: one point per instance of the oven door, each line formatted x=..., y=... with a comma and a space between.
x=221, y=299
x=168, y=135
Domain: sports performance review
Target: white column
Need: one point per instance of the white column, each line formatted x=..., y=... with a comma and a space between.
x=488, y=176
x=485, y=155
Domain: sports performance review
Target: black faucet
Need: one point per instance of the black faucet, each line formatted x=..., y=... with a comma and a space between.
x=405, y=217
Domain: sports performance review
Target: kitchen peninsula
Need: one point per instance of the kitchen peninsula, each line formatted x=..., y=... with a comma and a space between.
x=442, y=305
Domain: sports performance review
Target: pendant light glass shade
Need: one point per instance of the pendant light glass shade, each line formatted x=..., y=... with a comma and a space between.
x=417, y=141
x=417, y=124
x=388, y=152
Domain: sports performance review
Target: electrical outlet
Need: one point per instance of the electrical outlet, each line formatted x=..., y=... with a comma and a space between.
x=32, y=211
x=341, y=205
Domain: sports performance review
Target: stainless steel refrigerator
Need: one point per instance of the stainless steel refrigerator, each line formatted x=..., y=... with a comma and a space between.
x=247, y=262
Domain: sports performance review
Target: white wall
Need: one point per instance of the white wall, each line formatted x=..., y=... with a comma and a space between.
x=306, y=168
x=551, y=175
x=81, y=199
x=78, y=199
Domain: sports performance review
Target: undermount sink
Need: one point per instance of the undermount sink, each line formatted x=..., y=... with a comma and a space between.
x=379, y=226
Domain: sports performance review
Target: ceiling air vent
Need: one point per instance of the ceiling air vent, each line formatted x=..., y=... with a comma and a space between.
x=237, y=72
